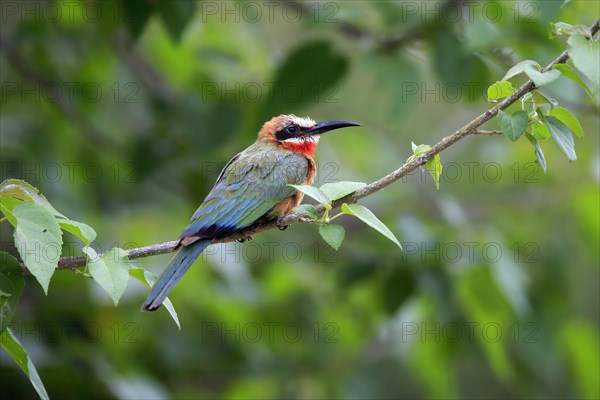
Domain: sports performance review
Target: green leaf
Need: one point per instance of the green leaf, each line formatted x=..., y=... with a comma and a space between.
x=7, y=204
x=539, y=154
x=551, y=100
x=578, y=342
x=541, y=78
x=532, y=70
x=38, y=240
x=332, y=234
x=513, y=126
x=540, y=131
x=420, y=149
x=147, y=278
x=307, y=209
x=12, y=191
x=482, y=300
x=11, y=286
x=136, y=15
x=570, y=73
x=111, y=271
x=562, y=28
x=519, y=68
x=318, y=77
x=338, y=190
x=565, y=116
x=365, y=215
x=586, y=57
x=175, y=15
x=431, y=361
x=79, y=229
x=15, y=350
x=434, y=166
x=435, y=169
x=22, y=190
x=562, y=135
x=499, y=90
x=315, y=193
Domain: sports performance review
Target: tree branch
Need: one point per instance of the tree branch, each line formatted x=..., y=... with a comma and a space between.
x=469, y=129
x=385, y=44
x=488, y=133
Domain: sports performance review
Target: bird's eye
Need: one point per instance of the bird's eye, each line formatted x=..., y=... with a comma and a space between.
x=291, y=130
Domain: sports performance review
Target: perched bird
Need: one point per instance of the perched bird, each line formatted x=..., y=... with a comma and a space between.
x=252, y=186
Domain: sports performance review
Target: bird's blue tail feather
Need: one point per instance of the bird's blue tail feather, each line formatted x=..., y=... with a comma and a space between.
x=179, y=264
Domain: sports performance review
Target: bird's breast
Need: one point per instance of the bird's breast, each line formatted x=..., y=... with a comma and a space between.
x=287, y=204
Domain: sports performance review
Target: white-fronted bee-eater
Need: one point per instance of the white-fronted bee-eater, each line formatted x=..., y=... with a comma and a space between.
x=253, y=186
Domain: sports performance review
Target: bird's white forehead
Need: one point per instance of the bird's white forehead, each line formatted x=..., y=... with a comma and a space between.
x=302, y=122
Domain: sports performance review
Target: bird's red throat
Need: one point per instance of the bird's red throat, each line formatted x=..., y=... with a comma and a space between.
x=306, y=147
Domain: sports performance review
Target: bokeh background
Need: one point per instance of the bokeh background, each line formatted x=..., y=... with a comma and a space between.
x=123, y=113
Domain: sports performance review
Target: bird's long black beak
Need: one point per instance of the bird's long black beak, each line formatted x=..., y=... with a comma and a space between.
x=327, y=126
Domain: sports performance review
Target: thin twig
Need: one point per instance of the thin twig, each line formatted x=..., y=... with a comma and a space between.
x=469, y=129
x=488, y=133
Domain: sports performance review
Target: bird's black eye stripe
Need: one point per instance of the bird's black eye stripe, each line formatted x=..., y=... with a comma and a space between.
x=288, y=132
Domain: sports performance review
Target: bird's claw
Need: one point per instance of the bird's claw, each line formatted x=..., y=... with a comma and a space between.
x=280, y=224
x=244, y=239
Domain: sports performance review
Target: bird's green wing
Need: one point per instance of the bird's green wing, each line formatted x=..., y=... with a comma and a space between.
x=251, y=184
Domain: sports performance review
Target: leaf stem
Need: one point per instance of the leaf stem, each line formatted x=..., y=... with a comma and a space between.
x=335, y=216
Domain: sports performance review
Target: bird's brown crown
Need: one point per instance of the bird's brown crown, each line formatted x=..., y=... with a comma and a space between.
x=298, y=134
x=290, y=132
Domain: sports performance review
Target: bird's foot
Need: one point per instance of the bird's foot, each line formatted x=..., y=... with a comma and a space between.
x=245, y=239
x=280, y=224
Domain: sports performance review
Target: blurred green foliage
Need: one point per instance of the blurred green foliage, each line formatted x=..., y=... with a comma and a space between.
x=123, y=113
